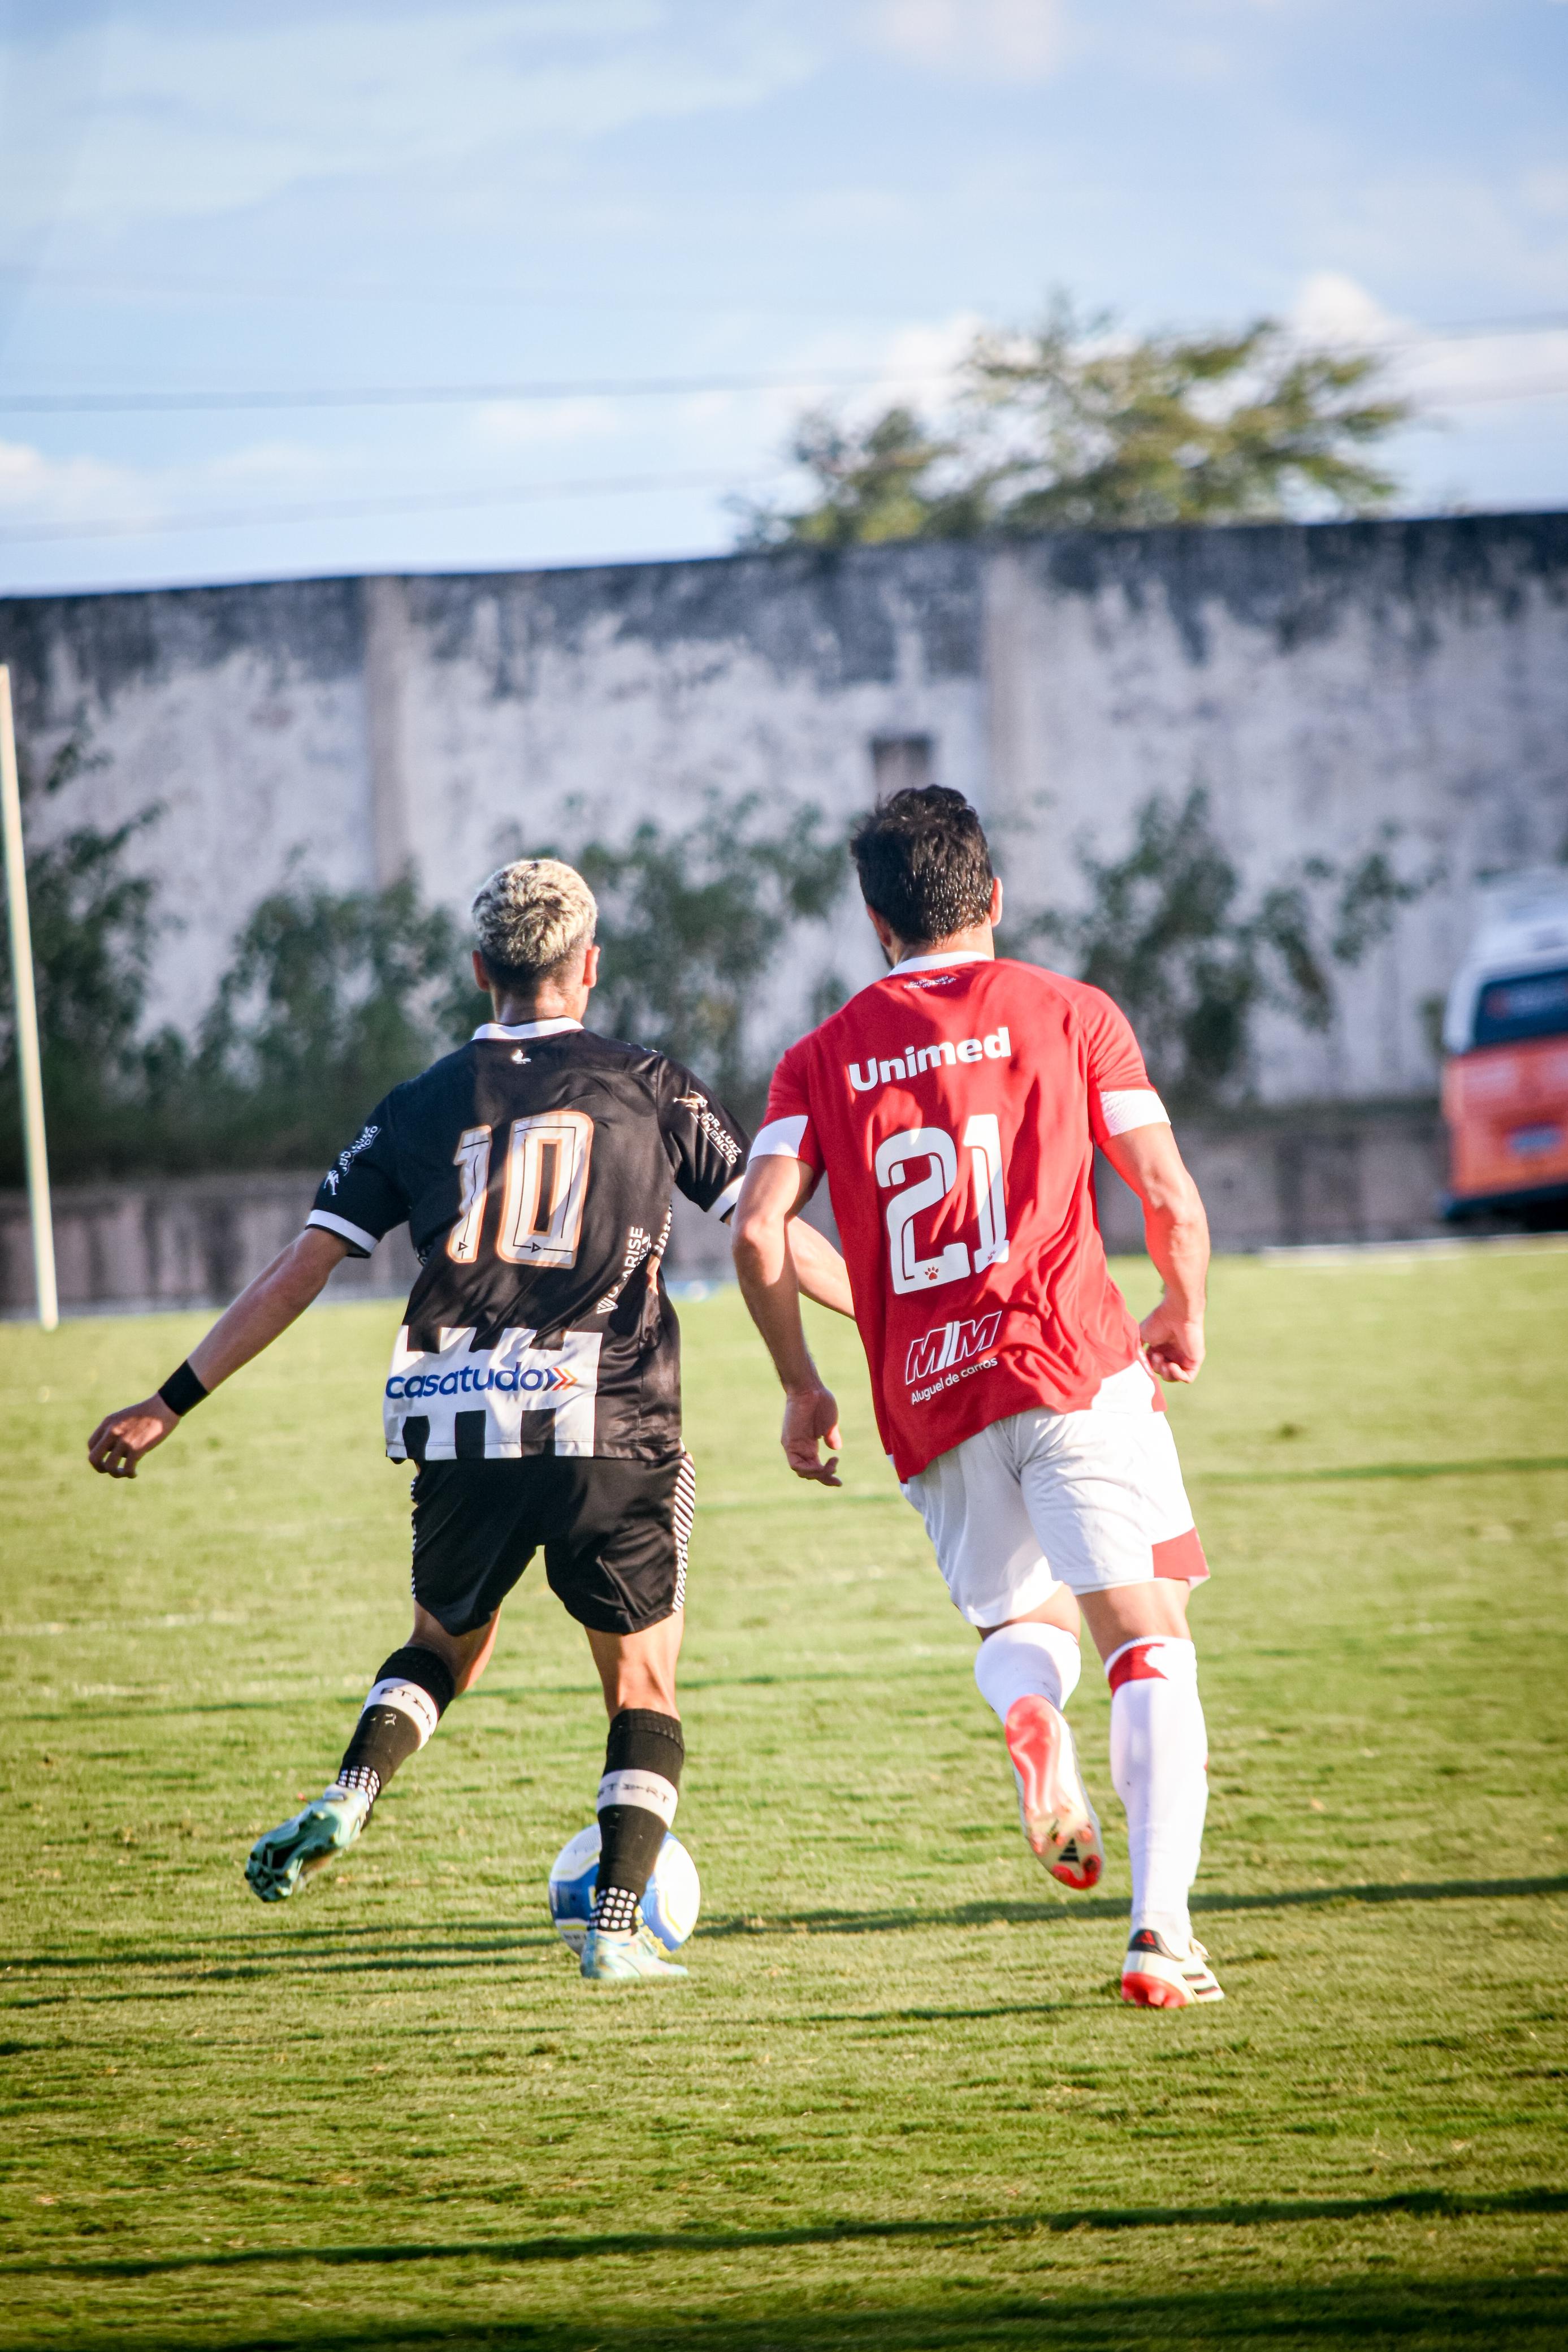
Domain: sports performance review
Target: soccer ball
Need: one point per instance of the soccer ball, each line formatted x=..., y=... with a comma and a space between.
x=669, y=1907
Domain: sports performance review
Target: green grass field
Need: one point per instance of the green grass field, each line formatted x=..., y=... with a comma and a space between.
x=898, y=2104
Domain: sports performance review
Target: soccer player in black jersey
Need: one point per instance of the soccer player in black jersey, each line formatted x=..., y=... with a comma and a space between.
x=536, y=1382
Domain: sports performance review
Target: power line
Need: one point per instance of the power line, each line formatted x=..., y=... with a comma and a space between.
x=748, y=302
x=573, y=298
x=60, y=404
x=143, y=526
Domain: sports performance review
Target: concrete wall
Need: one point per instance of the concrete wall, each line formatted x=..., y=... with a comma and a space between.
x=1323, y=682
x=1349, y=1176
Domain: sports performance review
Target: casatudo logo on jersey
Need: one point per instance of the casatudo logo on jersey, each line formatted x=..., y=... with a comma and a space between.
x=530, y=1380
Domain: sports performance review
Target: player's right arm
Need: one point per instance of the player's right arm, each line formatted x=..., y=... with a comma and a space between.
x=277, y=1297
x=1175, y=1232
x=775, y=1189
x=361, y=1198
x=1132, y=1129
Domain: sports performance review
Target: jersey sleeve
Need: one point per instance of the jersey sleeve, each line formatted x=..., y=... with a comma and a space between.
x=788, y=1130
x=361, y=1197
x=1120, y=1095
x=708, y=1147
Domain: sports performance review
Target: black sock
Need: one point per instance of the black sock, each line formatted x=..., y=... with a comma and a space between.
x=407, y=1700
x=643, y=1760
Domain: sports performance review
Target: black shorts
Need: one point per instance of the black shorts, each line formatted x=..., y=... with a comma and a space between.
x=614, y=1535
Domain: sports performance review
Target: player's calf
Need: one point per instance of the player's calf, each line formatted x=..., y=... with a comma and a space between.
x=406, y=1701
x=1159, y=1763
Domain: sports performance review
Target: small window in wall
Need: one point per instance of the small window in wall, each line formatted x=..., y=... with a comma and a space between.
x=900, y=763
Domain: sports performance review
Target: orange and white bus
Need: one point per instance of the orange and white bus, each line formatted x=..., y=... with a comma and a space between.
x=1505, y=1074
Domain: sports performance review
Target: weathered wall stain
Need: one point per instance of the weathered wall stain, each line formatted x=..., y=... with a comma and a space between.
x=1321, y=683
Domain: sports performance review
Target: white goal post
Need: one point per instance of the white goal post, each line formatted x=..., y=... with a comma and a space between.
x=24, y=1002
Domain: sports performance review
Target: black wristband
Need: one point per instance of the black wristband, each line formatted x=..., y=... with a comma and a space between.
x=181, y=1390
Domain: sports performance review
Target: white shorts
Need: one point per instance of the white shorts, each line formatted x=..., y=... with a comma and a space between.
x=1086, y=1499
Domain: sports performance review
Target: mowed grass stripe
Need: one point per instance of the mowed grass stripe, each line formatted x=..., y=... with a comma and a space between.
x=807, y=1501
x=1428, y=2204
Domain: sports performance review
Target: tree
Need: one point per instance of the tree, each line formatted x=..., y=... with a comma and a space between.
x=331, y=998
x=94, y=929
x=879, y=483
x=1070, y=424
x=1168, y=933
x=691, y=922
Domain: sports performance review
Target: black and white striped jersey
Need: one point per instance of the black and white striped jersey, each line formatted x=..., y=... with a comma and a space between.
x=534, y=1168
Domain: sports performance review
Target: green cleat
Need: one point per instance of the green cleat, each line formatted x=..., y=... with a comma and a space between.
x=636, y=1959
x=308, y=1843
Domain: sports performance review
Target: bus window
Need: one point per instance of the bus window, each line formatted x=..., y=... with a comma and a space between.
x=1534, y=1005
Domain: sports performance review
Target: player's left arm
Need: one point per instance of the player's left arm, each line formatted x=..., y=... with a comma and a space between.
x=277, y=1297
x=1176, y=1231
x=823, y=1275
x=765, y=1224
x=1130, y=1123
x=709, y=1147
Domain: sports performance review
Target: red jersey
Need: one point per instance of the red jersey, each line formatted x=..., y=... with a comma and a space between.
x=953, y=1109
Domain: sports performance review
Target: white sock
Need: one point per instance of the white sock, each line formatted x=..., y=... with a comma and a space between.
x=1026, y=1661
x=1159, y=1759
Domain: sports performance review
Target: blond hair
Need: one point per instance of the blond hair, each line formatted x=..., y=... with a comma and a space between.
x=531, y=916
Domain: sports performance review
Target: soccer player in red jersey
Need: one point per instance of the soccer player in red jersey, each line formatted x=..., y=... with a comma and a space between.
x=955, y=1107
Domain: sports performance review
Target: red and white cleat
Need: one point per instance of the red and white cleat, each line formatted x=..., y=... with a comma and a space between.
x=1156, y=1976
x=1054, y=1804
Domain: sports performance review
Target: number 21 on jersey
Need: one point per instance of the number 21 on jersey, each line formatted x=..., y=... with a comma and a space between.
x=542, y=1198
x=897, y=1154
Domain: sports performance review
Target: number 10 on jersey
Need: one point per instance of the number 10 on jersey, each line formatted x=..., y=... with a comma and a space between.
x=542, y=1198
x=896, y=1154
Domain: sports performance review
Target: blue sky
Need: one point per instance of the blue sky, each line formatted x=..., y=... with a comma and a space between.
x=328, y=196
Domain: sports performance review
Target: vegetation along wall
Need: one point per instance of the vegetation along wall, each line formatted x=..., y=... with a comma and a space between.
x=1290, y=739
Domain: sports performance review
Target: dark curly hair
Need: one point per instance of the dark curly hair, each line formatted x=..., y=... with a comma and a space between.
x=923, y=865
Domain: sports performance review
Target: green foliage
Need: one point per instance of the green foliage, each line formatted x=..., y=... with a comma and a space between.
x=331, y=998
x=691, y=922
x=1170, y=428
x=1072, y=424
x=877, y=483
x=898, y=2107
x=1169, y=934
x=94, y=929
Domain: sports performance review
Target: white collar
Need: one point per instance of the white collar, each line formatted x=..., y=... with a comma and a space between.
x=930, y=962
x=504, y=1032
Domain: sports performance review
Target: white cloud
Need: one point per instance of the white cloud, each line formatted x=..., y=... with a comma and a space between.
x=36, y=489
x=57, y=489
x=1022, y=39
x=911, y=366
x=287, y=465
x=208, y=115
x=918, y=362
x=1545, y=190
x=1334, y=308
x=1438, y=372
x=523, y=424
